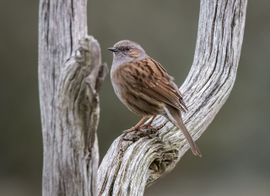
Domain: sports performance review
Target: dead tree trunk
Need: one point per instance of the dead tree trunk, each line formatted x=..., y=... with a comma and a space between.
x=130, y=166
x=70, y=73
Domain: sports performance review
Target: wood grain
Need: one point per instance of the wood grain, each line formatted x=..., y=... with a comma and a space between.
x=70, y=74
x=135, y=160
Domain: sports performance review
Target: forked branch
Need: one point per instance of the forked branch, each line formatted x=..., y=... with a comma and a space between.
x=70, y=72
x=135, y=161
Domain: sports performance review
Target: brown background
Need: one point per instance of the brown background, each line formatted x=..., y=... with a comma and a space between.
x=236, y=146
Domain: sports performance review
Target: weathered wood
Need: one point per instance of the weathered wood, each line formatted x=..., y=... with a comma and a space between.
x=70, y=73
x=134, y=161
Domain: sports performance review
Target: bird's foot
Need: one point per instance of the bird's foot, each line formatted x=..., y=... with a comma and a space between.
x=146, y=130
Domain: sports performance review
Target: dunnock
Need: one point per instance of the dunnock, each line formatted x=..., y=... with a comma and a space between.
x=145, y=87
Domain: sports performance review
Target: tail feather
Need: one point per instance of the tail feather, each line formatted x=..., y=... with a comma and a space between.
x=174, y=116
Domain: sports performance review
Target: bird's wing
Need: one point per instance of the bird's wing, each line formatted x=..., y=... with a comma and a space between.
x=153, y=80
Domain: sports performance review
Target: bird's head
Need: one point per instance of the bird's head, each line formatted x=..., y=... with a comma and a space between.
x=126, y=51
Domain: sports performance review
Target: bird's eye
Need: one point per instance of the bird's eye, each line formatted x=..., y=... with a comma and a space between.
x=125, y=49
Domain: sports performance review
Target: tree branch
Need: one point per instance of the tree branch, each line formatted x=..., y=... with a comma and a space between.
x=70, y=74
x=134, y=161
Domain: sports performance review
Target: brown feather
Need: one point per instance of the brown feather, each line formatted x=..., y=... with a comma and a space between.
x=145, y=87
x=156, y=82
x=175, y=117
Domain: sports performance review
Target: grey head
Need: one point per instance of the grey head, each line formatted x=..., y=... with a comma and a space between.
x=126, y=51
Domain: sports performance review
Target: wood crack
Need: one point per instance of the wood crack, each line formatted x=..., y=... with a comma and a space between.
x=215, y=62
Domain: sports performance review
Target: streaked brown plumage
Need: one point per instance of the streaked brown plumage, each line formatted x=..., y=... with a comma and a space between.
x=145, y=87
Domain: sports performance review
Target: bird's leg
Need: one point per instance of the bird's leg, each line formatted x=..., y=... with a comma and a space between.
x=138, y=125
x=148, y=125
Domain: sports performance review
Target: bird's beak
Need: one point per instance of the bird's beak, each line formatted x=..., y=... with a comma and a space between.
x=112, y=49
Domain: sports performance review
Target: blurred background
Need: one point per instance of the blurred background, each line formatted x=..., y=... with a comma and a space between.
x=236, y=145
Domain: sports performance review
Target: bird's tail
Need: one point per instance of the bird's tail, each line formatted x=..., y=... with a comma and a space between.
x=174, y=116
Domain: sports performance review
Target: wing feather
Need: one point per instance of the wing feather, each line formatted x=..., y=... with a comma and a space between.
x=153, y=80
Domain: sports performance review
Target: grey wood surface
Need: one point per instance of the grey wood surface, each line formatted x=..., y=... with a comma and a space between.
x=134, y=161
x=70, y=75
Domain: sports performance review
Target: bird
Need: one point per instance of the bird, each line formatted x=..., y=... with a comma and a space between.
x=144, y=86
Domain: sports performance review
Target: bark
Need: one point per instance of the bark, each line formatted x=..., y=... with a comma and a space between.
x=70, y=73
x=135, y=160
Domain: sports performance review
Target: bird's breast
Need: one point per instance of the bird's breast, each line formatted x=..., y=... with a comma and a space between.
x=117, y=84
x=132, y=96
